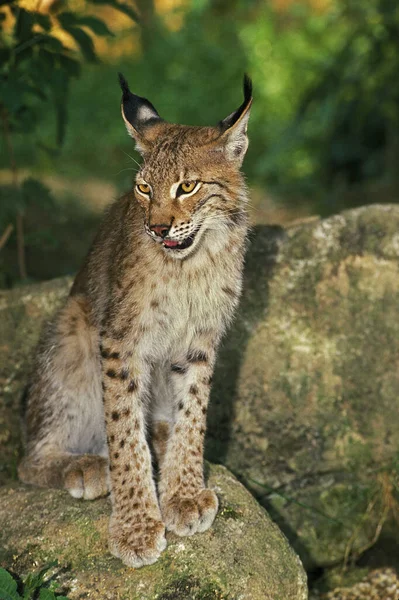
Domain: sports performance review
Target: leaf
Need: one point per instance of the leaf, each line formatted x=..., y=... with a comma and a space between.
x=96, y=25
x=6, y=596
x=51, y=42
x=43, y=20
x=34, y=580
x=41, y=39
x=46, y=594
x=23, y=25
x=121, y=6
x=69, y=19
x=70, y=65
x=8, y=586
x=84, y=42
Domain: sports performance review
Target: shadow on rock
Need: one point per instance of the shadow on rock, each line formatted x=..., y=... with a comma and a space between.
x=264, y=242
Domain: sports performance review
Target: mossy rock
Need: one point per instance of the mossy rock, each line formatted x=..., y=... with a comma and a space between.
x=244, y=555
x=305, y=399
x=22, y=313
x=306, y=393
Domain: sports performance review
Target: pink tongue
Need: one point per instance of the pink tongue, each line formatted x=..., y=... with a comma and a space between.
x=171, y=243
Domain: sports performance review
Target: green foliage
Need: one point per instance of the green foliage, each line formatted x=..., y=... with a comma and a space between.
x=346, y=121
x=8, y=587
x=57, y=233
x=326, y=86
x=37, y=67
x=31, y=196
x=33, y=588
x=17, y=199
x=122, y=7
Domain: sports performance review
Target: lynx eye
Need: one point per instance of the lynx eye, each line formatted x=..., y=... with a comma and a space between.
x=186, y=187
x=144, y=188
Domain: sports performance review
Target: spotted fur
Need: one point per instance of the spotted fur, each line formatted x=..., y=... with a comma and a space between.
x=127, y=363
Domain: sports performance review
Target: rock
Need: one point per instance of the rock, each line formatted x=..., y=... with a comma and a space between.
x=243, y=556
x=305, y=399
x=22, y=314
x=381, y=584
x=306, y=394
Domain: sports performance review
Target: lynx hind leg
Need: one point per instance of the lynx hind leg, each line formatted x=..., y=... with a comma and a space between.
x=65, y=426
x=86, y=477
x=159, y=439
x=162, y=408
x=83, y=476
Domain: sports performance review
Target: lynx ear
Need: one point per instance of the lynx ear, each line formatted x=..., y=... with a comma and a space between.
x=234, y=127
x=138, y=114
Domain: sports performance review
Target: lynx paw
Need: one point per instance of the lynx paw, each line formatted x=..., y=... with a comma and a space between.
x=139, y=544
x=86, y=477
x=186, y=516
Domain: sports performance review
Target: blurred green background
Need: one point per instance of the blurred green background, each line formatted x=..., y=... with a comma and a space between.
x=324, y=130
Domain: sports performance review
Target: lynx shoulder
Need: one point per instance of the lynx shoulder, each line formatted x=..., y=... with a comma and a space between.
x=124, y=370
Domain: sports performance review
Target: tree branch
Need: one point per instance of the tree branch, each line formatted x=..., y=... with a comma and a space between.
x=7, y=232
x=14, y=171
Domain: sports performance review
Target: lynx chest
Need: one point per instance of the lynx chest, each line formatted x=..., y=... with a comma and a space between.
x=181, y=299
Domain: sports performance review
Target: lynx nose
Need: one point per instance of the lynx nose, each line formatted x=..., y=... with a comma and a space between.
x=161, y=230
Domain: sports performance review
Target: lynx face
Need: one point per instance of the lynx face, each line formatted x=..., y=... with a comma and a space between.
x=189, y=182
x=177, y=220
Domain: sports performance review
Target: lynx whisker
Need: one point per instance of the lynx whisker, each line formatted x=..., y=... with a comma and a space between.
x=127, y=169
x=133, y=159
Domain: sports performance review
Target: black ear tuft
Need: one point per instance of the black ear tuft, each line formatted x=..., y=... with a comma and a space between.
x=247, y=88
x=237, y=114
x=124, y=85
x=233, y=129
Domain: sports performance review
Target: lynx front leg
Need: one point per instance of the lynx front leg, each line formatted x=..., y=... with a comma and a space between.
x=137, y=533
x=187, y=506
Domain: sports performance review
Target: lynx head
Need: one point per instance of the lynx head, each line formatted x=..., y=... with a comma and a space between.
x=189, y=184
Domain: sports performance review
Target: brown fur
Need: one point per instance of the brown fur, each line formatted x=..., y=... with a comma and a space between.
x=134, y=347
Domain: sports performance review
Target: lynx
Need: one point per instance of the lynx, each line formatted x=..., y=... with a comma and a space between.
x=123, y=373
